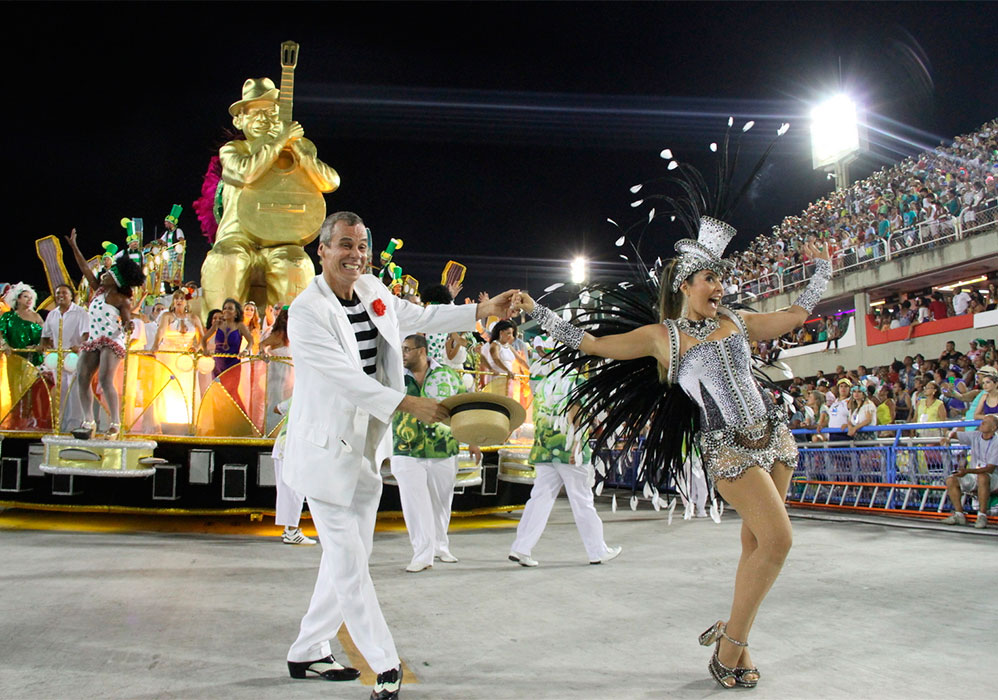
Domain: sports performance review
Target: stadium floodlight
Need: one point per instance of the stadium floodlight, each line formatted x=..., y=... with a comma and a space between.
x=834, y=133
x=579, y=270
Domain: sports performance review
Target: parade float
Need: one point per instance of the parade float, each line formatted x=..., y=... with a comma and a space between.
x=194, y=439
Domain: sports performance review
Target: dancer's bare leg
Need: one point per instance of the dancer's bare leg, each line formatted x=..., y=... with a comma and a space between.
x=105, y=376
x=766, y=539
x=85, y=370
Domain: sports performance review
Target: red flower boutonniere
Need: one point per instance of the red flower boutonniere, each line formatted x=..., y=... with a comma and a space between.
x=378, y=307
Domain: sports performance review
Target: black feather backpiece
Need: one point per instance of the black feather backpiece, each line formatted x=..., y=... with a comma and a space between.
x=624, y=399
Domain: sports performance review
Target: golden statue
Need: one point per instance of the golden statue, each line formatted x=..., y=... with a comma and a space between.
x=272, y=203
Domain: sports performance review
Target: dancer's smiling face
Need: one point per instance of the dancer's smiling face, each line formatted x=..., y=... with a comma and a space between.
x=703, y=291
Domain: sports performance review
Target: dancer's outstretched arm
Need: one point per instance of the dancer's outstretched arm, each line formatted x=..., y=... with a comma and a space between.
x=647, y=341
x=775, y=324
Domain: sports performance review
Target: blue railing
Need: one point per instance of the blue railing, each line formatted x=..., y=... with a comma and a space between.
x=890, y=475
x=891, y=462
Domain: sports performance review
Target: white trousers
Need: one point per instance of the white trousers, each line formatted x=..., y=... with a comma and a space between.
x=344, y=591
x=69, y=404
x=289, y=501
x=426, y=488
x=578, y=482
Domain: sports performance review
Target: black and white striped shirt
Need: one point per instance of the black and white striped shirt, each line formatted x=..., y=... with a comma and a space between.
x=364, y=331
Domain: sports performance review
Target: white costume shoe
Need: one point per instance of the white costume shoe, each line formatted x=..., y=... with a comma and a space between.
x=295, y=536
x=611, y=553
x=416, y=566
x=522, y=559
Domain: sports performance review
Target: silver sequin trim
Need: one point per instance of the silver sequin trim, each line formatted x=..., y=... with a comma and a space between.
x=728, y=453
x=558, y=328
x=810, y=297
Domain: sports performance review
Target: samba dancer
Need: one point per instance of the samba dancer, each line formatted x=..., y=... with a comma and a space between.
x=110, y=313
x=746, y=445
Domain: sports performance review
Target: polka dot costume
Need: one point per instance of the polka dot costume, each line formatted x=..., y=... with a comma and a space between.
x=105, y=327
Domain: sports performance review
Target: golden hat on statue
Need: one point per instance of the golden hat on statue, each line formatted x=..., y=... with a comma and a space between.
x=255, y=89
x=482, y=418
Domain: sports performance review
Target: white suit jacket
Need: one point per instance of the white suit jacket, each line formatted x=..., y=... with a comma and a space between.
x=339, y=414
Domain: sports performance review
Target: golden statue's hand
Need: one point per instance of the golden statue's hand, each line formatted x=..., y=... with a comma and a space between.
x=289, y=132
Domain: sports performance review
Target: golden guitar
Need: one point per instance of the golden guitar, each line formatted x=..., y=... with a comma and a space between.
x=284, y=206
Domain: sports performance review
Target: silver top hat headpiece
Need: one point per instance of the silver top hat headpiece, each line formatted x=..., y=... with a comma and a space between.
x=705, y=252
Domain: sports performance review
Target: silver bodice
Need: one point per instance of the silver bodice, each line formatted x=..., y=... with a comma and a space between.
x=717, y=376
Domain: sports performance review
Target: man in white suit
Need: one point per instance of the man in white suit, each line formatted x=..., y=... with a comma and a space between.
x=344, y=330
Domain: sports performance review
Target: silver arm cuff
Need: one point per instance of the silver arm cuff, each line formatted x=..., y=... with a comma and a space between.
x=810, y=297
x=560, y=329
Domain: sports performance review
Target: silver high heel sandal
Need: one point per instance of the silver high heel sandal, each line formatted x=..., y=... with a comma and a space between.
x=741, y=677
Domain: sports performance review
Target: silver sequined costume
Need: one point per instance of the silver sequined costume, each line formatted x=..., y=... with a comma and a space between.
x=740, y=426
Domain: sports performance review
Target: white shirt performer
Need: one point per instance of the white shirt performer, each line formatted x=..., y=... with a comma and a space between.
x=344, y=331
x=561, y=455
x=424, y=459
x=75, y=328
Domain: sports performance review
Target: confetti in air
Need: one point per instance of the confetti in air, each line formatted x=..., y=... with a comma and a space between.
x=634, y=503
x=651, y=215
x=672, y=509
x=637, y=202
x=673, y=165
x=666, y=154
x=748, y=125
x=614, y=223
x=783, y=129
x=613, y=503
x=636, y=188
x=713, y=147
x=624, y=257
x=731, y=120
x=620, y=241
x=556, y=285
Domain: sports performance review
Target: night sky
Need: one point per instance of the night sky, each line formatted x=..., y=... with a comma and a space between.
x=499, y=135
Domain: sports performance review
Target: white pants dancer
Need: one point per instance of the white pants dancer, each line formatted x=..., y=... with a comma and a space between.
x=693, y=483
x=289, y=501
x=578, y=481
x=344, y=591
x=426, y=488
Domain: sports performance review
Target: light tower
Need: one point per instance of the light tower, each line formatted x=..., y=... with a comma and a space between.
x=835, y=139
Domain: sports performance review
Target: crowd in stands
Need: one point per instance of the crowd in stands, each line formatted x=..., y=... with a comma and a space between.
x=956, y=385
x=908, y=311
x=916, y=201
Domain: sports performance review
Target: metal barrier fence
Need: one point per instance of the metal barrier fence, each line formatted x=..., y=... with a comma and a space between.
x=904, y=474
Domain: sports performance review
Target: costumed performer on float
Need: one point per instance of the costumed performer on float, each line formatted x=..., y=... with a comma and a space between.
x=561, y=456
x=424, y=458
x=110, y=314
x=344, y=331
x=264, y=242
x=700, y=353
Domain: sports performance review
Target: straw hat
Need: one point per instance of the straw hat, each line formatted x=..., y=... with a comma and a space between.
x=481, y=418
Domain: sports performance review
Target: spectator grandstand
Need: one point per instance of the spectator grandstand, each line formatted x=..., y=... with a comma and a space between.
x=923, y=201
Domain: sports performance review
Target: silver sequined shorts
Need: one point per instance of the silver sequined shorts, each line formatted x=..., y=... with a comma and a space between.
x=729, y=452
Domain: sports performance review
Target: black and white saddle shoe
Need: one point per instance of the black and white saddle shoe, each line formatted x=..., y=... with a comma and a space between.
x=328, y=668
x=388, y=685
